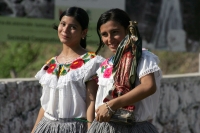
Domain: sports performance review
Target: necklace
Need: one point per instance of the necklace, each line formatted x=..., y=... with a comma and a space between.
x=67, y=61
x=71, y=60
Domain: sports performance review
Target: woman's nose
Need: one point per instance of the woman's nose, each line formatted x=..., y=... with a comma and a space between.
x=66, y=29
x=110, y=39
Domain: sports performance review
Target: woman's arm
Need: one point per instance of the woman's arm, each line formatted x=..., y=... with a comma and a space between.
x=40, y=115
x=91, y=87
x=143, y=90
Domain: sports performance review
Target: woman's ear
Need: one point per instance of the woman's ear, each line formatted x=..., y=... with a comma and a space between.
x=84, y=33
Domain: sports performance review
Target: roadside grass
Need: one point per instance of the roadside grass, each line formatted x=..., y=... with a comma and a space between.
x=170, y=62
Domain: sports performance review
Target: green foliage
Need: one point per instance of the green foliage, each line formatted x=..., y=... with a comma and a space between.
x=15, y=57
x=24, y=60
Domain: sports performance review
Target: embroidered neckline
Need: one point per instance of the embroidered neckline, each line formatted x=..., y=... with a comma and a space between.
x=55, y=68
x=53, y=82
x=69, y=62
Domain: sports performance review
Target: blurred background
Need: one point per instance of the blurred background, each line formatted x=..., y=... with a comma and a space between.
x=169, y=28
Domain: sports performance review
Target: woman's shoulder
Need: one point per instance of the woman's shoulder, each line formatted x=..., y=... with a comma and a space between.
x=92, y=57
x=51, y=60
x=105, y=69
x=87, y=57
x=148, y=55
x=148, y=63
x=146, y=52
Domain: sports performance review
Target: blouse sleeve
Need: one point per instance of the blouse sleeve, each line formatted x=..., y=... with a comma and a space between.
x=92, y=67
x=147, y=64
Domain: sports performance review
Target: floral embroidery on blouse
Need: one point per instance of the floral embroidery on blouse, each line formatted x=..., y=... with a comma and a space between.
x=52, y=67
x=77, y=63
x=108, y=72
x=106, y=68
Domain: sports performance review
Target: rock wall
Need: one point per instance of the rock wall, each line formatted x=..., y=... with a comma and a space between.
x=179, y=109
x=19, y=105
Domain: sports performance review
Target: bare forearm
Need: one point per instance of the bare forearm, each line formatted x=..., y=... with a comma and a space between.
x=40, y=115
x=91, y=113
x=145, y=89
x=129, y=98
x=90, y=100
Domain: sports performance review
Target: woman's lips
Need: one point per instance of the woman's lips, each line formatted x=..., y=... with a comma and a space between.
x=64, y=36
x=113, y=45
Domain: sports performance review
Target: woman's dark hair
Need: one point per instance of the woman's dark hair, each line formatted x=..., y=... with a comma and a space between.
x=115, y=14
x=81, y=16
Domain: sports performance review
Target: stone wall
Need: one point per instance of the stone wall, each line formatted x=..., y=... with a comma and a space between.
x=179, y=110
x=19, y=105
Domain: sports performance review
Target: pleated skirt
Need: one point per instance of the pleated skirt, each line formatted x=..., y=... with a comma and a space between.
x=111, y=127
x=61, y=126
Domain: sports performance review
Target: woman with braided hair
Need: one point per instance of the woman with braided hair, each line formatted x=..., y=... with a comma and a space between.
x=129, y=82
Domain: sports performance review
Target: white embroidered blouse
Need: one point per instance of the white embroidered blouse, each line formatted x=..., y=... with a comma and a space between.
x=64, y=89
x=144, y=109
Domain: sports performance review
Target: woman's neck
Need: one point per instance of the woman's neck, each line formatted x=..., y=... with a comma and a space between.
x=73, y=50
x=69, y=54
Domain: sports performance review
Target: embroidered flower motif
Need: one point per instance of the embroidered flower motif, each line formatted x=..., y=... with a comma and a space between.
x=107, y=73
x=103, y=68
x=51, y=68
x=61, y=70
x=104, y=63
x=92, y=54
x=77, y=63
x=49, y=60
x=46, y=67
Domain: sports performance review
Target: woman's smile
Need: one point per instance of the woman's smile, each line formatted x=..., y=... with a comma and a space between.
x=112, y=34
x=69, y=31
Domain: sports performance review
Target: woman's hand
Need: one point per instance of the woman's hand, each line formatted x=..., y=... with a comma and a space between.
x=146, y=88
x=103, y=114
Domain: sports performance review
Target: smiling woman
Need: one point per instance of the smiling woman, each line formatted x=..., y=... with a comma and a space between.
x=69, y=79
x=70, y=31
x=129, y=81
x=112, y=33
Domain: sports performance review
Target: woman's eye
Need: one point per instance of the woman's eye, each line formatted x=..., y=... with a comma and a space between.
x=63, y=24
x=115, y=32
x=73, y=27
x=103, y=34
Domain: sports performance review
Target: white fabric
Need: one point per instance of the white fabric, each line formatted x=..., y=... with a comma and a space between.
x=145, y=109
x=66, y=97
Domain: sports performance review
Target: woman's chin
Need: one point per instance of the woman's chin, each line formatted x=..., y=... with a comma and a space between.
x=63, y=41
x=113, y=50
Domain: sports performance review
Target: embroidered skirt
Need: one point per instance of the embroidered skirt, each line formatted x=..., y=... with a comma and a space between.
x=111, y=127
x=61, y=126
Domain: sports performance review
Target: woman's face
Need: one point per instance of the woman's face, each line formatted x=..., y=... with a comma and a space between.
x=70, y=31
x=112, y=34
